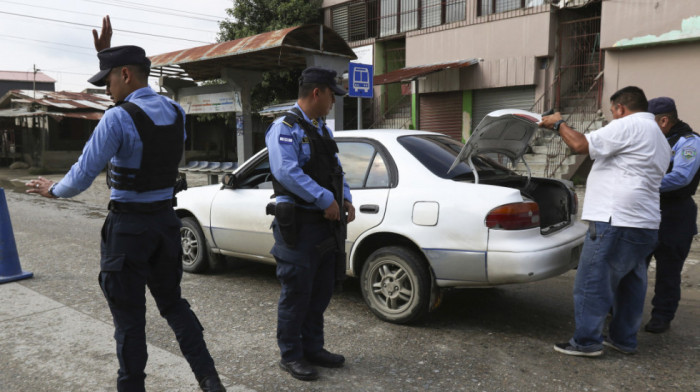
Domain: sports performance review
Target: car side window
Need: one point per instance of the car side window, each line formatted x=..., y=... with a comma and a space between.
x=259, y=177
x=364, y=167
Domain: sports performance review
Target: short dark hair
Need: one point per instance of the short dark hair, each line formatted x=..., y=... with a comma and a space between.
x=672, y=117
x=632, y=97
x=305, y=89
x=142, y=70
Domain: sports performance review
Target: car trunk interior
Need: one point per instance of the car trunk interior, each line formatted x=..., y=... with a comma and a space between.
x=552, y=196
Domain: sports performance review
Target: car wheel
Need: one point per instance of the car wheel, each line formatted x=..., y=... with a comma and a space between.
x=195, y=255
x=396, y=285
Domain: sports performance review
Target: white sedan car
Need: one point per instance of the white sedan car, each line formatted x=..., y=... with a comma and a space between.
x=431, y=213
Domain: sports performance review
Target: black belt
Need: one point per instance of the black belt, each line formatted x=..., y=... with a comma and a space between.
x=139, y=208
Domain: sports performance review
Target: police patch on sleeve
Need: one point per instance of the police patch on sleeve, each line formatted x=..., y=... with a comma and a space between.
x=689, y=153
x=286, y=139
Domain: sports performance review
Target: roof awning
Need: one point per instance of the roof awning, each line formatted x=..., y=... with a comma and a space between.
x=410, y=73
x=274, y=50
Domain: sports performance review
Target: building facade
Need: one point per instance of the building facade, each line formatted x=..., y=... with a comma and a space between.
x=443, y=64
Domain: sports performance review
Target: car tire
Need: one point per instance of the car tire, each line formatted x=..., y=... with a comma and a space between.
x=396, y=285
x=195, y=252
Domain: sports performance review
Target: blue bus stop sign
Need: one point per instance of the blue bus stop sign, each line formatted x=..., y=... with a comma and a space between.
x=361, y=80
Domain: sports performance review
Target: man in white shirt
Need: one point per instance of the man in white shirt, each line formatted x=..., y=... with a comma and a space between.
x=630, y=156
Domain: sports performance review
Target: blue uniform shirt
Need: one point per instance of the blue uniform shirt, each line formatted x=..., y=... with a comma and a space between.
x=115, y=138
x=287, y=156
x=685, y=164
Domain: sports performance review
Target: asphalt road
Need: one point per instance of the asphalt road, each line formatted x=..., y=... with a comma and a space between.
x=56, y=330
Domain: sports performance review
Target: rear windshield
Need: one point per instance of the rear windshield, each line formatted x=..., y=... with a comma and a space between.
x=438, y=152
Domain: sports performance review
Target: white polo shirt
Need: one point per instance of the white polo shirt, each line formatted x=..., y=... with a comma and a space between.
x=630, y=156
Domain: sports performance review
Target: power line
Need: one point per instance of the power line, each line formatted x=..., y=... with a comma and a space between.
x=215, y=17
x=209, y=18
x=91, y=26
x=47, y=42
x=66, y=72
x=100, y=16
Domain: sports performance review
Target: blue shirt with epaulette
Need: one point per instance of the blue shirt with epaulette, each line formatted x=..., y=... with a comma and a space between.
x=289, y=150
x=684, y=155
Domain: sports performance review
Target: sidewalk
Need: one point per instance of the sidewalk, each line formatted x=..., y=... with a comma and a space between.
x=33, y=326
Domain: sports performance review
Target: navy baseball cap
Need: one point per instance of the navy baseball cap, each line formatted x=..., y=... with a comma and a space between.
x=117, y=57
x=662, y=105
x=323, y=76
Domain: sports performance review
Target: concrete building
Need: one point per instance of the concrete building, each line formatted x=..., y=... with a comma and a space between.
x=443, y=64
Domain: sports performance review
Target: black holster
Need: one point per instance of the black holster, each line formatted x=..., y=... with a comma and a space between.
x=285, y=213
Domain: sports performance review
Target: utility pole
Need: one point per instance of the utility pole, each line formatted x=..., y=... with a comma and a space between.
x=34, y=87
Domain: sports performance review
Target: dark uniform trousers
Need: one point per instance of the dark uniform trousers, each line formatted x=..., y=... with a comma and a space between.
x=139, y=250
x=678, y=226
x=307, y=278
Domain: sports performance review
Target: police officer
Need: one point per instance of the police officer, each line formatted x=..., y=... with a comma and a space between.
x=142, y=139
x=678, y=212
x=303, y=159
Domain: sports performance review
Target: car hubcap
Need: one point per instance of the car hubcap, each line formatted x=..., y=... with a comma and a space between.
x=190, y=246
x=392, y=286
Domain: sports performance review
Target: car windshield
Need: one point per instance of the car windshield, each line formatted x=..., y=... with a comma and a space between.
x=438, y=152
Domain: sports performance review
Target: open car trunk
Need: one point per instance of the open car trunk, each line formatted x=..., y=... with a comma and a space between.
x=555, y=200
x=506, y=133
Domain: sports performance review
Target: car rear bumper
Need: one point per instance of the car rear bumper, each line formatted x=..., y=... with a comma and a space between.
x=512, y=257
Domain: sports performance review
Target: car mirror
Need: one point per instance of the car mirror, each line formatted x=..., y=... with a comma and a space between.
x=229, y=181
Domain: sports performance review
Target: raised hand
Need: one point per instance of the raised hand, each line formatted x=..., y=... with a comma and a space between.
x=104, y=39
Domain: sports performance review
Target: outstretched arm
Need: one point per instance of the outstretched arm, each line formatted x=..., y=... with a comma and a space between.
x=104, y=39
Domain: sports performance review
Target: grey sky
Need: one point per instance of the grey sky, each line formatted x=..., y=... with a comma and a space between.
x=56, y=35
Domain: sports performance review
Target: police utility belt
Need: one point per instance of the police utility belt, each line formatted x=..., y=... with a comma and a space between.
x=139, y=208
x=298, y=214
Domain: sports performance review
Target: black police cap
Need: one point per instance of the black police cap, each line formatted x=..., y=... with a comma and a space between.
x=662, y=105
x=116, y=57
x=322, y=76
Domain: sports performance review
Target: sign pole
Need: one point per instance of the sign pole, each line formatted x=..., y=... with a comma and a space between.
x=361, y=85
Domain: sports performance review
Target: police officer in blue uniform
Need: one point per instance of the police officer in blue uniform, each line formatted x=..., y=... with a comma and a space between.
x=678, y=212
x=303, y=160
x=141, y=138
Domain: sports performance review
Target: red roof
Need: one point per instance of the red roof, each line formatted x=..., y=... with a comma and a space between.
x=25, y=76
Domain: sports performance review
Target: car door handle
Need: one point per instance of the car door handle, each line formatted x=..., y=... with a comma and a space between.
x=369, y=208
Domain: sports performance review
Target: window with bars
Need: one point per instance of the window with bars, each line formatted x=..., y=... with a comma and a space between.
x=487, y=7
x=360, y=20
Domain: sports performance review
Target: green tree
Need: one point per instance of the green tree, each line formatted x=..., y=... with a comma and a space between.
x=251, y=17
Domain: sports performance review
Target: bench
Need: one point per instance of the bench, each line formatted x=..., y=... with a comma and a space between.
x=212, y=169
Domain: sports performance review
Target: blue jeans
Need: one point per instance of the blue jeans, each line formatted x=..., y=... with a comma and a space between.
x=611, y=275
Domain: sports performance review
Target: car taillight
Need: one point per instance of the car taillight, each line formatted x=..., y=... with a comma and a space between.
x=515, y=216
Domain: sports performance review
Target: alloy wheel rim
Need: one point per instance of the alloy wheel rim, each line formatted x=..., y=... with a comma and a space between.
x=392, y=286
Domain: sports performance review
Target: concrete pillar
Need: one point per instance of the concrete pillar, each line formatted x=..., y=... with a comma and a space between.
x=243, y=81
x=339, y=65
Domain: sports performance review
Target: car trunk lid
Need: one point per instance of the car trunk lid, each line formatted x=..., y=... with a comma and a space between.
x=506, y=132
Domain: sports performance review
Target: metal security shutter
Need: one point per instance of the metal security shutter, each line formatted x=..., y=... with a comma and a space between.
x=486, y=101
x=339, y=20
x=442, y=112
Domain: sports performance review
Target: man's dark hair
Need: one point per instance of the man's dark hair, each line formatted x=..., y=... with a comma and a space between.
x=672, y=117
x=632, y=98
x=142, y=70
x=305, y=89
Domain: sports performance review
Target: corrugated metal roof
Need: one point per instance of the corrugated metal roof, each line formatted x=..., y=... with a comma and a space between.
x=410, y=73
x=26, y=76
x=59, y=99
x=280, y=49
x=24, y=112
